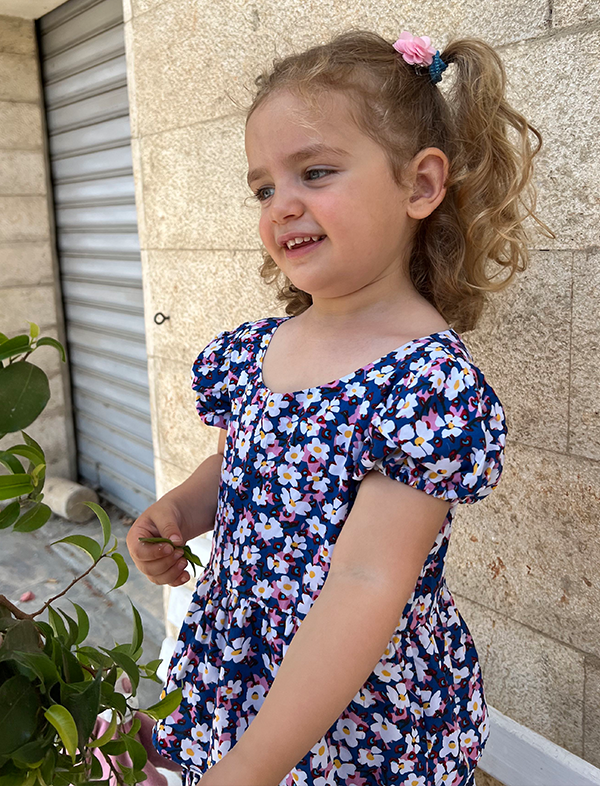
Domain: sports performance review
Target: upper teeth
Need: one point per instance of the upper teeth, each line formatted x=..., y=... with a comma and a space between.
x=292, y=243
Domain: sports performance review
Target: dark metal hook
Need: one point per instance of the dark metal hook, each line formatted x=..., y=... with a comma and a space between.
x=159, y=318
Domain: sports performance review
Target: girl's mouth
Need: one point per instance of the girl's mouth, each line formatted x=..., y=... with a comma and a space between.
x=303, y=248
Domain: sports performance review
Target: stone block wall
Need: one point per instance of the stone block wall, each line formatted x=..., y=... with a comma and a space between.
x=29, y=288
x=524, y=562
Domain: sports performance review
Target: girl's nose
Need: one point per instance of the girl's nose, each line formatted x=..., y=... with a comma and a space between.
x=285, y=204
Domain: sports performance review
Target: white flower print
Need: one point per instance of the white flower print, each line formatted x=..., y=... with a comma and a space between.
x=348, y=731
x=475, y=706
x=309, y=397
x=191, y=693
x=286, y=587
x=268, y=528
x=293, y=455
x=338, y=468
x=364, y=697
x=416, y=780
x=387, y=671
x=468, y=740
x=320, y=757
x=294, y=545
x=387, y=730
x=335, y=511
x=416, y=440
x=243, y=444
x=220, y=717
x=398, y=695
x=450, y=424
x=232, y=689
x=247, y=417
x=200, y=733
x=309, y=428
x=287, y=425
x=219, y=749
x=209, y=673
x=313, y=576
x=477, y=463
x=496, y=420
x=238, y=649
x=293, y=502
x=260, y=496
x=305, y=605
x=191, y=751
x=275, y=405
x=250, y=554
x=262, y=589
x=298, y=778
x=235, y=478
x=287, y=474
x=432, y=701
x=450, y=746
x=370, y=756
x=318, y=449
x=277, y=563
x=455, y=383
x=254, y=698
x=445, y=773
x=341, y=767
x=316, y=526
x=182, y=667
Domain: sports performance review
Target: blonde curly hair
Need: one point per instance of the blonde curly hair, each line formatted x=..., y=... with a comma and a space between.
x=489, y=186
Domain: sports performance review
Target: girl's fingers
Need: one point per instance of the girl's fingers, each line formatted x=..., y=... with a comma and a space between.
x=165, y=566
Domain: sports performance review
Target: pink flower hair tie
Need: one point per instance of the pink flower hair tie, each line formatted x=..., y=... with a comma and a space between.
x=418, y=51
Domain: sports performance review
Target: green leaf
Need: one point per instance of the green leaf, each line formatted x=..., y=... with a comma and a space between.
x=34, y=330
x=12, y=462
x=73, y=629
x=128, y=665
x=123, y=569
x=70, y=665
x=95, y=657
x=83, y=542
x=14, y=346
x=114, y=747
x=31, y=754
x=31, y=442
x=19, y=705
x=24, y=392
x=113, y=698
x=41, y=665
x=21, y=636
x=108, y=734
x=52, y=342
x=12, y=486
x=35, y=455
x=83, y=623
x=138, y=755
x=58, y=625
x=63, y=722
x=9, y=515
x=138, y=629
x=166, y=706
x=104, y=520
x=3, y=338
x=34, y=518
x=84, y=706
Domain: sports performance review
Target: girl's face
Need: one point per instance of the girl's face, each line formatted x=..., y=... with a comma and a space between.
x=320, y=176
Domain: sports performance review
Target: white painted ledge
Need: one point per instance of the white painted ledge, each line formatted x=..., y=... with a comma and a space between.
x=517, y=756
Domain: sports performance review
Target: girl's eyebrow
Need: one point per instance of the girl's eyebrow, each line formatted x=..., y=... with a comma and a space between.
x=301, y=155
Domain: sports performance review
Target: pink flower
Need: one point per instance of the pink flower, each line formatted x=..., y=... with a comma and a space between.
x=415, y=50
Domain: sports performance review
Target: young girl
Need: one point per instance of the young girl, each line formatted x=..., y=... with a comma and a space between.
x=322, y=646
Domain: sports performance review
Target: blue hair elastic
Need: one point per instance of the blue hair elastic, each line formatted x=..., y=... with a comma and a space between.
x=436, y=68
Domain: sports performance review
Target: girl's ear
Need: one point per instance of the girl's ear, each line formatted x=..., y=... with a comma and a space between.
x=429, y=174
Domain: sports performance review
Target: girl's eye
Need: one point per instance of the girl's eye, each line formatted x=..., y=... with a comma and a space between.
x=261, y=197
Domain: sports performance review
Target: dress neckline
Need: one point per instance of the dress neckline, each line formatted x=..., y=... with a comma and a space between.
x=278, y=320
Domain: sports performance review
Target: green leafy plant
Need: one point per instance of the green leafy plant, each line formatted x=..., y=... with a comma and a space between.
x=52, y=685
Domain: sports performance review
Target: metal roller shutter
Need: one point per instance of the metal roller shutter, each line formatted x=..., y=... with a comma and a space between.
x=82, y=50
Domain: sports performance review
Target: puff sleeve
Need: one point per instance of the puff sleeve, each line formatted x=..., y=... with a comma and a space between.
x=212, y=378
x=441, y=429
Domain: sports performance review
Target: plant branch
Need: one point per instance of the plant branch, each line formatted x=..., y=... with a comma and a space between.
x=21, y=615
x=117, y=774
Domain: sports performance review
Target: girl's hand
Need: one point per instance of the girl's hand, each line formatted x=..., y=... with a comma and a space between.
x=159, y=561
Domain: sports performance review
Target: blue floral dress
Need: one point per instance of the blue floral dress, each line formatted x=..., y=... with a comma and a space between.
x=424, y=415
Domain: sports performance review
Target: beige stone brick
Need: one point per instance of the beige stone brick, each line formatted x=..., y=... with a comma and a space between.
x=169, y=475
x=584, y=420
x=22, y=172
x=189, y=55
x=26, y=264
x=524, y=337
x=20, y=126
x=194, y=189
x=534, y=680
x=483, y=779
x=17, y=35
x=19, y=80
x=183, y=439
x=23, y=218
x=191, y=287
x=574, y=12
x=591, y=749
x=531, y=550
x=21, y=304
x=563, y=106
